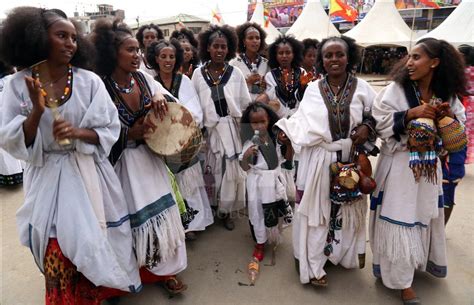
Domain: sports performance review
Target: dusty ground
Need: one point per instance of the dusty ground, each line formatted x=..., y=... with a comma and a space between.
x=217, y=263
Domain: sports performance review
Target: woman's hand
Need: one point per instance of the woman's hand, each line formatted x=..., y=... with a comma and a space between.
x=360, y=134
x=253, y=79
x=423, y=111
x=34, y=90
x=159, y=105
x=62, y=130
x=443, y=110
x=137, y=131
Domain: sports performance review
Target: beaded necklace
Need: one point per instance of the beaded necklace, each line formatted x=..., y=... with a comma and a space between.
x=288, y=80
x=248, y=63
x=126, y=90
x=221, y=73
x=67, y=88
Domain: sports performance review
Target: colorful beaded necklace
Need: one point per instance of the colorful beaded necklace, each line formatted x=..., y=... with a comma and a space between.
x=67, y=88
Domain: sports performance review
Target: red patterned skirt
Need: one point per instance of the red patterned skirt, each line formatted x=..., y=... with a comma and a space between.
x=66, y=286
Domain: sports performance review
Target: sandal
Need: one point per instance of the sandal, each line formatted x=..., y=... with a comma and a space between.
x=190, y=236
x=174, y=286
x=413, y=301
x=322, y=282
x=228, y=222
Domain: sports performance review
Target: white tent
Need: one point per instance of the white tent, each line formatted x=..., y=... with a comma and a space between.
x=458, y=28
x=270, y=29
x=382, y=25
x=313, y=23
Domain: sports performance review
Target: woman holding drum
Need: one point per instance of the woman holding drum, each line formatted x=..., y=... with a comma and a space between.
x=224, y=95
x=154, y=214
x=166, y=57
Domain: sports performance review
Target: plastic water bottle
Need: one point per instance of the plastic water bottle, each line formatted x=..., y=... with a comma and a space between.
x=256, y=140
x=253, y=270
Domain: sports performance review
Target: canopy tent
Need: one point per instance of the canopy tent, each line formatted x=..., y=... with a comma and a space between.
x=259, y=18
x=313, y=23
x=382, y=25
x=458, y=28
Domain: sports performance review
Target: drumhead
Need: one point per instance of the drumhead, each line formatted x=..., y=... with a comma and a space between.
x=175, y=133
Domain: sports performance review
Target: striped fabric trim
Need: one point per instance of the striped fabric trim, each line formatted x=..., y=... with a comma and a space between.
x=113, y=224
x=151, y=210
x=375, y=201
x=376, y=271
x=401, y=223
x=438, y=271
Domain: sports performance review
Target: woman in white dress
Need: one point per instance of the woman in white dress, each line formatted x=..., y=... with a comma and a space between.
x=285, y=83
x=59, y=118
x=190, y=46
x=11, y=169
x=157, y=231
x=223, y=94
x=165, y=57
x=333, y=116
x=407, y=217
x=249, y=61
x=147, y=34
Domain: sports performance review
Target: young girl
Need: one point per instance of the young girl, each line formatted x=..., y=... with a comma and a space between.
x=267, y=200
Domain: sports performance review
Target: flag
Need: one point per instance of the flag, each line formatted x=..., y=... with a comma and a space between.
x=216, y=16
x=266, y=18
x=429, y=3
x=341, y=9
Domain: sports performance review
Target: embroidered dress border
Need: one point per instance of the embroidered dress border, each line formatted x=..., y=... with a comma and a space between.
x=151, y=210
x=339, y=110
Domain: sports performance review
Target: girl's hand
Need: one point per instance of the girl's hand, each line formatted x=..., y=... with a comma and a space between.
x=159, y=105
x=443, y=110
x=360, y=134
x=62, y=129
x=251, y=152
x=422, y=111
x=34, y=90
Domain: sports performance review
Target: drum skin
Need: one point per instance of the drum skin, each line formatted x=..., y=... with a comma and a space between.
x=177, y=137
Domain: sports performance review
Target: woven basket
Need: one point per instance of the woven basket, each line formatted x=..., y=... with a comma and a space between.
x=452, y=133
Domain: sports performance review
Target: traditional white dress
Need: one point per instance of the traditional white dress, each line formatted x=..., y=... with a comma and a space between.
x=190, y=179
x=309, y=128
x=264, y=186
x=157, y=230
x=407, y=217
x=275, y=91
x=11, y=169
x=224, y=146
x=72, y=192
x=262, y=69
